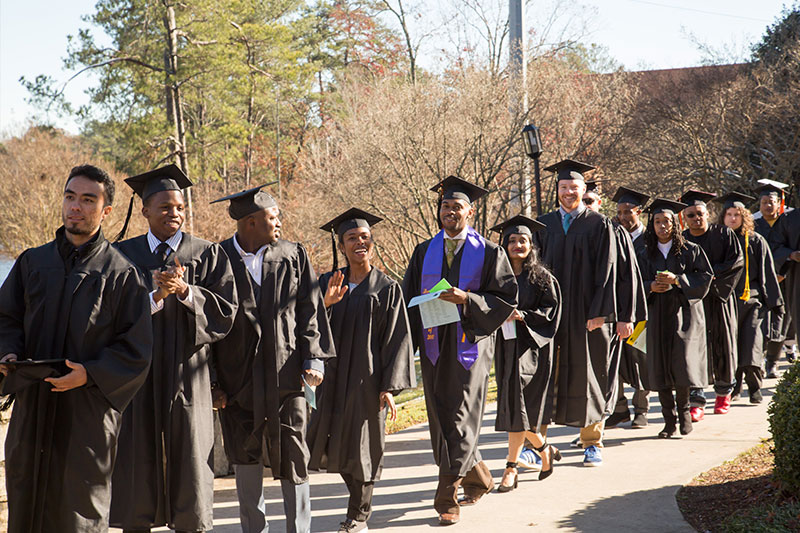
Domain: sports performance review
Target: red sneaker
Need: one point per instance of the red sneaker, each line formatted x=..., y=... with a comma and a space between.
x=722, y=405
x=698, y=413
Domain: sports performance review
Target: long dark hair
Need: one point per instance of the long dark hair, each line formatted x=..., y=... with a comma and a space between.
x=538, y=274
x=651, y=239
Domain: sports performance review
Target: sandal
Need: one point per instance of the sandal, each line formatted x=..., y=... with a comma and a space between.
x=555, y=455
x=510, y=467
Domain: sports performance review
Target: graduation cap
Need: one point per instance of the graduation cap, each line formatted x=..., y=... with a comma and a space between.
x=694, y=197
x=591, y=186
x=662, y=205
x=247, y=202
x=350, y=219
x=519, y=224
x=26, y=372
x=168, y=178
x=569, y=170
x=734, y=199
x=455, y=188
x=625, y=195
x=769, y=187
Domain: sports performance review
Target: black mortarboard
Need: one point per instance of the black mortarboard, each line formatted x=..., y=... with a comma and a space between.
x=455, y=188
x=518, y=224
x=662, y=205
x=168, y=178
x=247, y=202
x=771, y=187
x=625, y=195
x=352, y=218
x=734, y=199
x=26, y=372
x=591, y=186
x=569, y=170
x=693, y=197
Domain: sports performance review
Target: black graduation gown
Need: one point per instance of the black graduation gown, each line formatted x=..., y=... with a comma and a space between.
x=765, y=298
x=785, y=240
x=587, y=368
x=61, y=446
x=631, y=307
x=373, y=354
x=280, y=329
x=676, y=330
x=524, y=366
x=454, y=396
x=776, y=326
x=170, y=420
x=725, y=255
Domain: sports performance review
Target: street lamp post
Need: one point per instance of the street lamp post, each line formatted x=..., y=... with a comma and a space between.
x=533, y=149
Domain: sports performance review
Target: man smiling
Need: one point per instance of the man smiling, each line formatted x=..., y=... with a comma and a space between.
x=456, y=358
x=164, y=474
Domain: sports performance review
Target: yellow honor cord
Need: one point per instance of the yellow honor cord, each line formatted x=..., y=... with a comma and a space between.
x=746, y=293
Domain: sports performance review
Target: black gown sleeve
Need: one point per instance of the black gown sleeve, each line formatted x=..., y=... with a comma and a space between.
x=214, y=301
x=695, y=281
x=542, y=323
x=313, y=333
x=396, y=354
x=12, y=309
x=728, y=272
x=487, y=309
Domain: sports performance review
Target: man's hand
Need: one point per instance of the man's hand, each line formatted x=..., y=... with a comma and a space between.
x=516, y=315
x=73, y=380
x=313, y=377
x=5, y=369
x=624, y=329
x=387, y=398
x=335, y=292
x=594, y=323
x=219, y=400
x=667, y=278
x=781, y=278
x=795, y=256
x=659, y=287
x=454, y=295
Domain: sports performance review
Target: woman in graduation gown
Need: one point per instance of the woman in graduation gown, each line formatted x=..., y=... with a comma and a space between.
x=677, y=276
x=523, y=360
x=374, y=362
x=757, y=293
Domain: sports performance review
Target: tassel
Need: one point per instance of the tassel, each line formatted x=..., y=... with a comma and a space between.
x=746, y=293
x=783, y=204
x=121, y=234
x=335, y=253
x=680, y=220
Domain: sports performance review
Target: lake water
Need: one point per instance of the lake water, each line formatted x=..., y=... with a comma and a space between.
x=5, y=267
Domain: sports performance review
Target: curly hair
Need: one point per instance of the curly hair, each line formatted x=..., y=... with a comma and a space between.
x=651, y=239
x=538, y=274
x=748, y=224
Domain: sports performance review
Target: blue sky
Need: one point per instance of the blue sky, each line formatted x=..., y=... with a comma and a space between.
x=638, y=33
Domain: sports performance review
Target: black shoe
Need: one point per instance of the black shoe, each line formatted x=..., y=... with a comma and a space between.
x=756, y=397
x=509, y=488
x=618, y=418
x=352, y=526
x=685, y=422
x=667, y=432
x=791, y=356
x=555, y=455
x=639, y=421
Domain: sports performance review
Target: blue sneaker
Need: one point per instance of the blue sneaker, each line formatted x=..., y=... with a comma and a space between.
x=529, y=460
x=592, y=456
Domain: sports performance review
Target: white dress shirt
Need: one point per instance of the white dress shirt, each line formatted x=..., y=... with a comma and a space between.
x=638, y=231
x=253, y=262
x=173, y=242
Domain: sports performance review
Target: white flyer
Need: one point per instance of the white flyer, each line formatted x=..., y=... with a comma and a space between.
x=509, y=329
x=433, y=311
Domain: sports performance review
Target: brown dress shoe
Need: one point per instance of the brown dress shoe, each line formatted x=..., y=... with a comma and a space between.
x=448, y=519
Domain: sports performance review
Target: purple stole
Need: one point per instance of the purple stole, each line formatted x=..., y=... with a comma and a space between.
x=469, y=279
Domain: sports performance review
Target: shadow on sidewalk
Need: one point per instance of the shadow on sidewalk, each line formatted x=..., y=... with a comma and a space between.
x=624, y=513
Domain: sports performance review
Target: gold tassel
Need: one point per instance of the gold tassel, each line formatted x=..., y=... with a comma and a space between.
x=746, y=293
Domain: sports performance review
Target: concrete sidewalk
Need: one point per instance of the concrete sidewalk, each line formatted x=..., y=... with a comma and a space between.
x=633, y=491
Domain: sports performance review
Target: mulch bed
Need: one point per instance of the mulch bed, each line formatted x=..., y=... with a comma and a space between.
x=731, y=490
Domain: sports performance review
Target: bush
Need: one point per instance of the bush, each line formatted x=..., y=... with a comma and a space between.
x=784, y=423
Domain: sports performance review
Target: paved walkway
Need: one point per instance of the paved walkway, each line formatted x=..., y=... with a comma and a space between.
x=633, y=491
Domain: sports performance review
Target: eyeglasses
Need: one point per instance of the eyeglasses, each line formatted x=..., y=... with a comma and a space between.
x=588, y=201
x=692, y=215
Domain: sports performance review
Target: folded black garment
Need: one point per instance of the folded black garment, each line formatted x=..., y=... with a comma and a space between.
x=26, y=372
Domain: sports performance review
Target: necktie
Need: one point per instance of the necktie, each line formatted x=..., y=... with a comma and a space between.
x=162, y=252
x=566, y=221
x=450, y=249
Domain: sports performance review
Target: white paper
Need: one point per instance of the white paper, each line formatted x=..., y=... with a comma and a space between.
x=641, y=341
x=435, y=312
x=509, y=329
